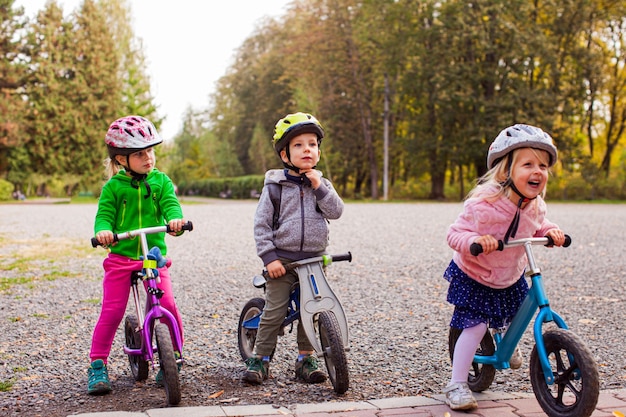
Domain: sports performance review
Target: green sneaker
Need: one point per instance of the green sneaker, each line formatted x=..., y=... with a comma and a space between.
x=257, y=370
x=98, y=378
x=308, y=370
x=159, y=376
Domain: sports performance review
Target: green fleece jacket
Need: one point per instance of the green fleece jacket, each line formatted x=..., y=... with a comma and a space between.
x=125, y=205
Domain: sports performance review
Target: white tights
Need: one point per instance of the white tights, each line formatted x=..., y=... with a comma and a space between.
x=464, y=351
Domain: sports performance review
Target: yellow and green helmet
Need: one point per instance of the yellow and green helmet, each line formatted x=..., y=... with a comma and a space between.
x=293, y=125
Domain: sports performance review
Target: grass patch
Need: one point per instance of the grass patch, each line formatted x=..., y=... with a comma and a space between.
x=29, y=262
x=5, y=386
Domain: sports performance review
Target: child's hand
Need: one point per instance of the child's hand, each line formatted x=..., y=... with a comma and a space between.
x=176, y=225
x=105, y=238
x=488, y=242
x=314, y=176
x=557, y=236
x=275, y=269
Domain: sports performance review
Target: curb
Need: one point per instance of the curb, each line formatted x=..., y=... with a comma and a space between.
x=610, y=403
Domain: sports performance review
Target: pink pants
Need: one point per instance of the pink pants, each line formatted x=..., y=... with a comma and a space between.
x=116, y=291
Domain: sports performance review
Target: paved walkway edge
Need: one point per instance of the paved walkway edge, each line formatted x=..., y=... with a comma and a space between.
x=518, y=404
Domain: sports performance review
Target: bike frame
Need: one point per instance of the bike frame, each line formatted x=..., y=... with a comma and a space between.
x=313, y=292
x=154, y=311
x=536, y=299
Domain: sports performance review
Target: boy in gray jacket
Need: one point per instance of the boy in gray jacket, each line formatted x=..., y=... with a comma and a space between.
x=307, y=201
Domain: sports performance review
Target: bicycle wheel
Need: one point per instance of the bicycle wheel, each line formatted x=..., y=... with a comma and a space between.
x=576, y=381
x=334, y=352
x=168, y=364
x=247, y=337
x=138, y=366
x=480, y=375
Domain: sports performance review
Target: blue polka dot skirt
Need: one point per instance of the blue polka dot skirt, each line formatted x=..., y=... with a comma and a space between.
x=475, y=303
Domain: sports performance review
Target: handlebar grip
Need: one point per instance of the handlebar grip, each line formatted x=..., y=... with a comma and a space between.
x=95, y=243
x=186, y=226
x=476, y=248
x=343, y=257
x=568, y=241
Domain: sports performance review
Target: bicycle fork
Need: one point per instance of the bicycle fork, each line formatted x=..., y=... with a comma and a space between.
x=154, y=312
x=317, y=296
x=535, y=300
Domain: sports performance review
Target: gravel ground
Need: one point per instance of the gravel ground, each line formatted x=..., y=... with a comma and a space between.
x=392, y=292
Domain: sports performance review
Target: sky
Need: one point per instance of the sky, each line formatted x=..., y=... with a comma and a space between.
x=188, y=45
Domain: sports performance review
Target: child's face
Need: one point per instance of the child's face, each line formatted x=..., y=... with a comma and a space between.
x=303, y=150
x=529, y=172
x=141, y=162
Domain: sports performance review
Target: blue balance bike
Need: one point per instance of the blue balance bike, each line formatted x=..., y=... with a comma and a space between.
x=563, y=372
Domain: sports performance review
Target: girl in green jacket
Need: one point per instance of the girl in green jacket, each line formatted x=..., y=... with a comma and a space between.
x=137, y=195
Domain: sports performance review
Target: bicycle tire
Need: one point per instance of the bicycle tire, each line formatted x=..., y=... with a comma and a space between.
x=333, y=351
x=139, y=367
x=576, y=381
x=247, y=337
x=167, y=361
x=480, y=375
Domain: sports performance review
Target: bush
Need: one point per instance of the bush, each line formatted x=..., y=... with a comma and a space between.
x=6, y=190
x=237, y=187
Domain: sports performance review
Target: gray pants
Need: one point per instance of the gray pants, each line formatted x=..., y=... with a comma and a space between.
x=277, y=293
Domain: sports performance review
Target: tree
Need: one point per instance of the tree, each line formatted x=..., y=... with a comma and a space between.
x=137, y=97
x=12, y=78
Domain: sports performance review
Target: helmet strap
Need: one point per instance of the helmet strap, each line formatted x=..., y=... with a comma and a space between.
x=512, y=230
x=134, y=182
x=290, y=165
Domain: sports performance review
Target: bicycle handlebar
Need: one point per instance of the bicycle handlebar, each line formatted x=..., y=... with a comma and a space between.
x=188, y=226
x=324, y=259
x=476, y=248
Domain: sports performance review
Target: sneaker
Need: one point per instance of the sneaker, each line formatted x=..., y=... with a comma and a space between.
x=158, y=378
x=257, y=370
x=516, y=359
x=308, y=370
x=98, y=378
x=459, y=396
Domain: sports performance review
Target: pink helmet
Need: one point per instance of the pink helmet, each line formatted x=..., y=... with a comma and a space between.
x=130, y=134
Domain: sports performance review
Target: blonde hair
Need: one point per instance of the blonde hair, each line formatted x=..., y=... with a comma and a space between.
x=111, y=167
x=494, y=185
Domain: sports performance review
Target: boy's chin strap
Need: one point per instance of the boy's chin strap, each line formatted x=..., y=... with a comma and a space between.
x=292, y=167
x=510, y=233
x=302, y=178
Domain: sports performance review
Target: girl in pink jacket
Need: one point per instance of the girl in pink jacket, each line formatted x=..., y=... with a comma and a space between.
x=507, y=203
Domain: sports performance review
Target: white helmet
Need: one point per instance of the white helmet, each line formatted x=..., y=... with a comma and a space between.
x=520, y=136
x=130, y=134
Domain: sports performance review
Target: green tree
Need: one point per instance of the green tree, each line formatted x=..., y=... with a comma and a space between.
x=12, y=78
x=137, y=97
x=254, y=93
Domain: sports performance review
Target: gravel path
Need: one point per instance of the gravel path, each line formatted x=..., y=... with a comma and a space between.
x=393, y=294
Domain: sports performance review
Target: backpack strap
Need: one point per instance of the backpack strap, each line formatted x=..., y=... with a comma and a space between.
x=275, y=191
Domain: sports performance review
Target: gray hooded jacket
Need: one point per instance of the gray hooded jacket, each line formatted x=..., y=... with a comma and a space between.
x=302, y=228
